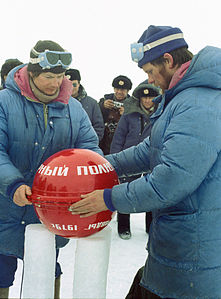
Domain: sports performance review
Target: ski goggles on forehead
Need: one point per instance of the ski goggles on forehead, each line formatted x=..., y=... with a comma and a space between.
x=138, y=49
x=51, y=59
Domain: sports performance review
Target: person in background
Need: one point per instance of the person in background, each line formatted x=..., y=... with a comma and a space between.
x=133, y=127
x=89, y=104
x=183, y=153
x=7, y=66
x=112, y=108
x=38, y=118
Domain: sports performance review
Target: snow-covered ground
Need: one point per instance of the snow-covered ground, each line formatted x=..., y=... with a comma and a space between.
x=126, y=257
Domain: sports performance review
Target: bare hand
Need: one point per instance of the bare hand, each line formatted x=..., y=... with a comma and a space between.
x=109, y=104
x=91, y=204
x=20, y=198
x=121, y=110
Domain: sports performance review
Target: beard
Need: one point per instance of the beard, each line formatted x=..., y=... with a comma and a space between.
x=166, y=78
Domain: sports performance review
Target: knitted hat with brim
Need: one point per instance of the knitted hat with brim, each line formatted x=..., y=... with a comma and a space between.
x=41, y=46
x=158, y=40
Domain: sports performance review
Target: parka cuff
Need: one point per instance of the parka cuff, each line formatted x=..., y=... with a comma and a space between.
x=107, y=199
x=13, y=187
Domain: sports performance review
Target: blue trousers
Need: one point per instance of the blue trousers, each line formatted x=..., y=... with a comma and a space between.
x=8, y=267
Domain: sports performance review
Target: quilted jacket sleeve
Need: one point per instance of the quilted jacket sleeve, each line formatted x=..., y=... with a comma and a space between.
x=186, y=155
x=8, y=172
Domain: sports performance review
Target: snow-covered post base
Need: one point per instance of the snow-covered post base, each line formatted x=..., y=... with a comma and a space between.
x=39, y=263
x=91, y=265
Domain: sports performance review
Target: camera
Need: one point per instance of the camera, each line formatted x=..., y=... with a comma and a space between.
x=111, y=126
x=118, y=104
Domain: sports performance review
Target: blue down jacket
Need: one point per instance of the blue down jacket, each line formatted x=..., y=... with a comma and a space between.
x=24, y=145
x=132, y=128
x=93, y=110
x=184, y=188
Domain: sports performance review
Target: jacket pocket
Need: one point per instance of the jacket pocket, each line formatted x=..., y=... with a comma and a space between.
x=174, y=239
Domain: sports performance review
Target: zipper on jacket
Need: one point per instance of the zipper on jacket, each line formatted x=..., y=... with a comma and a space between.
x=141, y=125
x=45, y=109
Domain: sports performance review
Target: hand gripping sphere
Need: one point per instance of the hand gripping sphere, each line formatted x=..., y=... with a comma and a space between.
x=60, y=181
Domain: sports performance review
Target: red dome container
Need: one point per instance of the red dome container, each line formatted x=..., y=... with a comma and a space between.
x=60, y=181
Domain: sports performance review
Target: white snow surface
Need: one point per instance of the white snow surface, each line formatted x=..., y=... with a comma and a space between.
x=126, y=257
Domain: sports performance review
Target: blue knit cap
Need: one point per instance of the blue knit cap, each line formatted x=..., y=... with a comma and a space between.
x=155, y=41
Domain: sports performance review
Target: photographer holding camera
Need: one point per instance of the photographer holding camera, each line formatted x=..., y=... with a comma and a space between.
x=112, y=108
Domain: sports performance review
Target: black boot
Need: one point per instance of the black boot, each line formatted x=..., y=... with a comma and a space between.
x=57, y=287
x=124, y=226
x=4, y=293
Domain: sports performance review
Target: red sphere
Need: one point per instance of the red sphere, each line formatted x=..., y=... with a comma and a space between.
x=60, y=181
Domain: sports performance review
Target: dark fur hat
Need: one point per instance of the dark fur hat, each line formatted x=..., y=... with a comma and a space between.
x=145, y=90
x=73, y=74
x=122, y=82
x=8, y=65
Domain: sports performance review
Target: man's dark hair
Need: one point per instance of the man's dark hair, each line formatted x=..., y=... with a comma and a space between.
x=8, y=65
x=180, y=56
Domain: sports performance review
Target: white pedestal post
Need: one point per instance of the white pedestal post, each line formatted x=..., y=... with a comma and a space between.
x=39, y=263
x=91, y=265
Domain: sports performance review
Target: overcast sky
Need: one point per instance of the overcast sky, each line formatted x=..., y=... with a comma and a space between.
x=98, y=33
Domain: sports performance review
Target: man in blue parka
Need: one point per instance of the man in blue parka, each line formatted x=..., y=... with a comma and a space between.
x=89, y=104
x=38, y=117
x=183, y=153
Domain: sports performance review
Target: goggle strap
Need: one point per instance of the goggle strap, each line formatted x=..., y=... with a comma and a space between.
x=46, y=50
x=35, y=60
x=34, y=51
x=162, y=41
